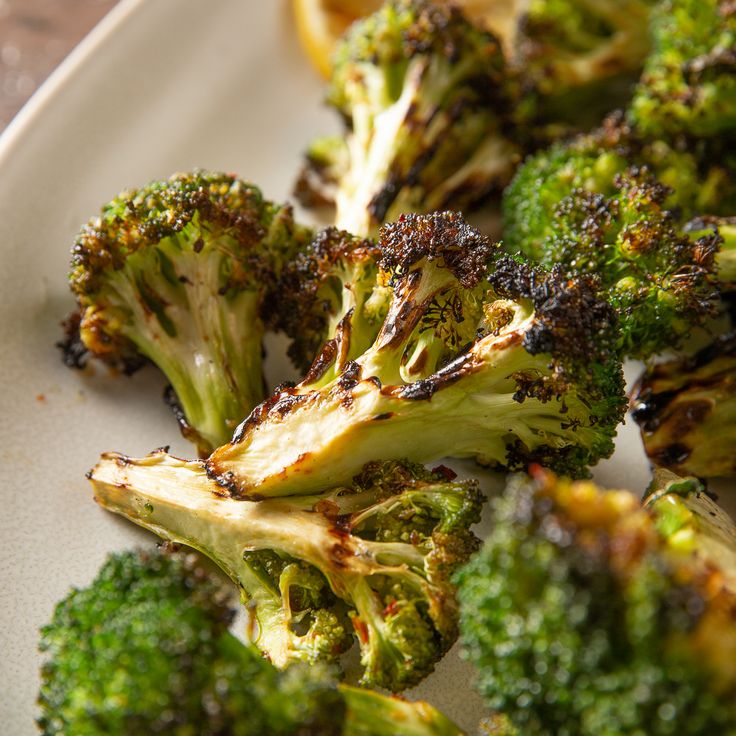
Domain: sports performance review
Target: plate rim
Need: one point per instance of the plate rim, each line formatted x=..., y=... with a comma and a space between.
x=64, y=74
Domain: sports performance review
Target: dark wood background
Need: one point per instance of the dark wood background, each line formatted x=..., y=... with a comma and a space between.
x=35, y=35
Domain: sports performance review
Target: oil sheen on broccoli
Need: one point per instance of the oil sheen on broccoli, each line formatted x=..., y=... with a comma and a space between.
x=478, y=356
x=426, y=102
x=586, y=614
x=686, y=410
x=145, y=648
x=370, y=561
x=177, y=272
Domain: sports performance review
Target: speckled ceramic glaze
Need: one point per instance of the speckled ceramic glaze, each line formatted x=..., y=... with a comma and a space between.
x=159, y=87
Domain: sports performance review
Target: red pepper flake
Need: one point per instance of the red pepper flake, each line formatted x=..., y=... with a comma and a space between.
x=446, y=472
x=361, y=630
x=390, y=609
x=41, y=397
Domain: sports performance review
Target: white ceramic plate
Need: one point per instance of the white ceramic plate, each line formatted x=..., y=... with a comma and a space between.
x=158, y=87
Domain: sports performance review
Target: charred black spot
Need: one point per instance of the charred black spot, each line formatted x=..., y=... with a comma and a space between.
x=73, y=352
x=350, y=376
x=381, y=417
x=418, y=391
x=443, y=236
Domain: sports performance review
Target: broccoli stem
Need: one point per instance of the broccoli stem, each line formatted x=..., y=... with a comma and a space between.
x=371, y=714
x=198, y=341
x=324, y=440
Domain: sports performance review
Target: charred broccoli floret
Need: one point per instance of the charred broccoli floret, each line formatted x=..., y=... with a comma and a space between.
x=586, y=614
x=177, y=272
x=578, y=60
x=686, y=409
x=145, y=649
x=509, y=365
x=330, y=288
x=592, y=162
x=688, y=87
x=657, y=278
x=425, y=100
x=378, y=553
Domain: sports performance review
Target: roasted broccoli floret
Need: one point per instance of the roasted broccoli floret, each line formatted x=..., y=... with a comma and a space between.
x=508, y=365
x=582, y=207
x=377, y=554
x=592, y=162
x=579, y=60
x=177, y=272
x=686, y=409
x=586, y=614
x=332, y=291
x=688, y=87
x=426, y=101
x=146, y=649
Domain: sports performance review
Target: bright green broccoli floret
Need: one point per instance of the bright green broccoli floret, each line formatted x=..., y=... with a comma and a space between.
x=146, y=649
x=478, y=356
x=586, y=614
x=686, y=409
x=332, y=291
x=378, y=553
x=688, y=87
x=592, y=162
x=426, y=101
x=177, y=272
x=580, y=206
x=578, y=60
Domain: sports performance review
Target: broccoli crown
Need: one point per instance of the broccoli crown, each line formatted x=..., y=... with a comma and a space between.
x=331, y=287
x=658, y=279
x=699, y=182
x=426, y=104
x=686, y=410
x=177, y=272
x=586, y=614
x=146, y=649
x=578, y=60
x=378, y=553
x=688, y=87
x=478, y=355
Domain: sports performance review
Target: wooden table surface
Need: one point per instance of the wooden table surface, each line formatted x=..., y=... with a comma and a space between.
x=35, y=35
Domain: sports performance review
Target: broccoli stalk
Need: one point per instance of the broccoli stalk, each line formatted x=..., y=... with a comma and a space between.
x=177, y=272
x=585, y=613
x=371, y=714
x=508, y=367
x=686, y=410
x=425, y=100
x=145, y=648
x=379, y=552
